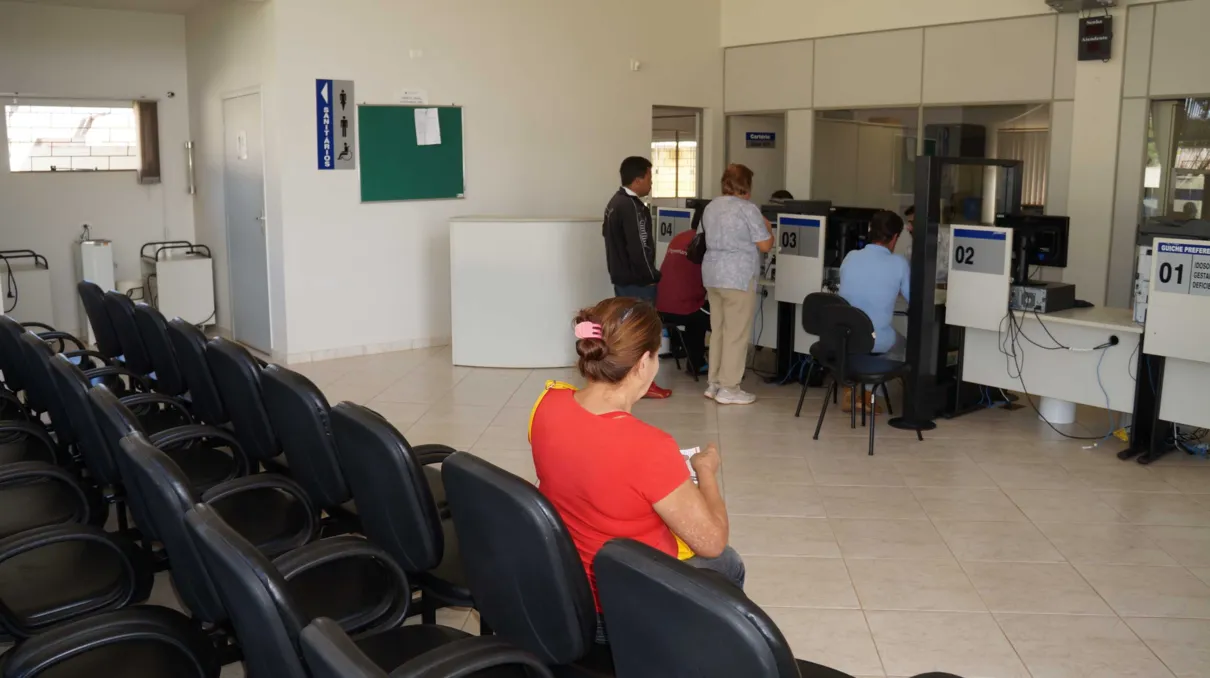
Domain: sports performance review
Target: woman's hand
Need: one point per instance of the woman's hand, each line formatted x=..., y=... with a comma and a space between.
x=706, y=462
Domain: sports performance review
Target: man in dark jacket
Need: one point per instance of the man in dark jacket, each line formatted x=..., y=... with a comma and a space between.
x=629, y=234
x=630, y=241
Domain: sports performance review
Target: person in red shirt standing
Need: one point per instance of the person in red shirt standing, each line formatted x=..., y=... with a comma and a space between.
x=681, y=296
x=610, y=475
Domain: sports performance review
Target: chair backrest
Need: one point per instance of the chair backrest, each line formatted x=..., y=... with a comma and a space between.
x=667, y=618
x=522, y=567
x=97, y=452
x=237, y=376
x=40, y=386
x=121, y=313
x=93, y=298
x=814, y=306
x=394, y=502
x=846, y=331
x=330, y=653
x=114, y=420
x=12, y=354
x=266, y=621
x=189, y=344
x=153, y=328
x=302, y=422
x=160, y=495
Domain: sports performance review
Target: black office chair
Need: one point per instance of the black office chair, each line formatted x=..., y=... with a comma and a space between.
x=813, y=308
x=189, y=347
x=667, y=618
x=269, y=619
x=237, y=377
x=677, y=334
x=93, y=298
x=523, y=568
x=138, y=642
x=845, y=341
x=396, y=505
x=153, y=329
x=330, y=653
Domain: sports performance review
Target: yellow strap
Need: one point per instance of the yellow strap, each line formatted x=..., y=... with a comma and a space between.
x=683, y=552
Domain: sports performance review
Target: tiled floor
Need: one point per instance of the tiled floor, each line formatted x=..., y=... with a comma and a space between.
x=995, y=548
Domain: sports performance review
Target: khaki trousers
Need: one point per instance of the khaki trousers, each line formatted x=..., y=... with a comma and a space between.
x=731, y=314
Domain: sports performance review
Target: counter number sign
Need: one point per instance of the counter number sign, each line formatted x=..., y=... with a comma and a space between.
x=979, y=251
x=671, y=222
x=1182, y=269
x=798, y=236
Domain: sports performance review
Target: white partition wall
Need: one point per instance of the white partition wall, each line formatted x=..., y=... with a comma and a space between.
x=980, y=258
x=800, y=245
x=669, y=223
x=993, y=61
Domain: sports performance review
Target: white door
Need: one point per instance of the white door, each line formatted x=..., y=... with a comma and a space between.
x=247, y=244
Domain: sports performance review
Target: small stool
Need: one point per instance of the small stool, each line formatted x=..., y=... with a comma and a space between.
x=678, y=332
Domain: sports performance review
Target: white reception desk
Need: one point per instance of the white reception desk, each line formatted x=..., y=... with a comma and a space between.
x=516, y=284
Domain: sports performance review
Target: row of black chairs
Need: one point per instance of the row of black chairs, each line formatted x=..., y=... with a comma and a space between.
x=302, y=558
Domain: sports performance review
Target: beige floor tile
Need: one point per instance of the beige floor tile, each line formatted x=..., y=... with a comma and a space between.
x=454, y=435
x=1044, y=588
x=913, y=585
x=799, y=582
x=992, y=451
x=997, y=541
x=517, y=463
x=1106, y=544
x=856, y=470
x=944, y=474
x=941, y=449
x=401, y=415
x=774, y=499
x=891, y=539
x=1070, y=506
x=1068, y=647
x=838, y=639
x=1122, y=478
x=968, y=644
x=504, y=438
x=1182, y=644
x=1043, y=476
x=886, y=503
x=766, y=470
x=779, y=536
x=1187, y=480
x=1157, y=509
x=1138, y=591
x=743, y=443
x=968, y=503
x=1190, y=546
x=1202, y=573
x=517, y=417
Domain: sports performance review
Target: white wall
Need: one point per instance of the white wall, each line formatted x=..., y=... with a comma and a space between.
x=551, y=108
x=99, y=54
x=231, y=51
x=768, y=165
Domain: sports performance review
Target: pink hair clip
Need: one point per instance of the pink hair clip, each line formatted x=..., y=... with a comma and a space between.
x=588, y=330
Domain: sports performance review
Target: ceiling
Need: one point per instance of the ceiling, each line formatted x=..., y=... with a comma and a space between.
x=164, y=6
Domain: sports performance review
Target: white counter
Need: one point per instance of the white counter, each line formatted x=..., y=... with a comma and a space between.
x=516, y=284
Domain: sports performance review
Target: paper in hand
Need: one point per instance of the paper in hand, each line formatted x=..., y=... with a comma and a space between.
x=688, y=454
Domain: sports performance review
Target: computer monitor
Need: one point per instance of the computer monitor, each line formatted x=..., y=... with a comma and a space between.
x=1038, y=240
x=847, y=231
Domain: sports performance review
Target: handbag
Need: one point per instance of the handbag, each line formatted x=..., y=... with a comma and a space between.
x=697, y=247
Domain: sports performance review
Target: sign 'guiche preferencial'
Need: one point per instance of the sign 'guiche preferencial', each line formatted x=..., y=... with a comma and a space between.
x=1182, y=268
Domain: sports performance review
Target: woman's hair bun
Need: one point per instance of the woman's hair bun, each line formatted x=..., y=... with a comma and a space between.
x=629, y=329
x=592, y=350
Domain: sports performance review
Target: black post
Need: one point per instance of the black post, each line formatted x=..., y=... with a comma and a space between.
x=1148, y=433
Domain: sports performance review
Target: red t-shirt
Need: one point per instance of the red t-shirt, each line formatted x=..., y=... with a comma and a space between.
x=680, y=290
x=603, y=473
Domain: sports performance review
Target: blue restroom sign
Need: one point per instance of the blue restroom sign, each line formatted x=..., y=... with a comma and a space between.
x=335, y=124
x=761, y=139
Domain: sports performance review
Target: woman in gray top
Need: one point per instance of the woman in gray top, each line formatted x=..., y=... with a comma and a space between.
x=736, y=236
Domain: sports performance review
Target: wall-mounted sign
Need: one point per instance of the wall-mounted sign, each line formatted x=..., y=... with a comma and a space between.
x=335, y=118
x=761, y=139
x=1182, y=268
x=979, y=251
x=1096, y=38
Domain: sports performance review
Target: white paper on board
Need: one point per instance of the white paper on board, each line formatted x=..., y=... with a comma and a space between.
x=414, y=97
x=428, y=127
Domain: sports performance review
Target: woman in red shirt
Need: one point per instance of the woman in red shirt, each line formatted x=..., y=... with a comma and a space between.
x=610, y=475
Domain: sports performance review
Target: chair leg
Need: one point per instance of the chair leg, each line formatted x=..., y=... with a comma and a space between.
x=873, y=413
x=824, y=410
x=835, y=397
x=919, y=436
x=886, y=392
x=803, y=396
x=428, y=609
x=861, y=397
x=853, y=407
x=485, y=629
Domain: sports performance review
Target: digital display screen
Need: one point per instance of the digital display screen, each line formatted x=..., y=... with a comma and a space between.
x=1094, y=29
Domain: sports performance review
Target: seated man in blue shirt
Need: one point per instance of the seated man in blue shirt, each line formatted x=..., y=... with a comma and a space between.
x=872, y=278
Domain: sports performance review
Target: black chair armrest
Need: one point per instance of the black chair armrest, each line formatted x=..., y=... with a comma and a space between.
x=136, y=625
x=21, y=473
x=20, y=428
x=38, y=326
x=469, y=656
x=119, y=371
x=179, y=435
x=138, y=575
x=272, y=482
x=320, y=553
x=63, y=338
x=96, y=355
x=328, y=650
x=133, y=401
x=432, y=453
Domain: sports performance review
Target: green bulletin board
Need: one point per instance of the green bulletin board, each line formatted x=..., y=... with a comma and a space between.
x=395, y=167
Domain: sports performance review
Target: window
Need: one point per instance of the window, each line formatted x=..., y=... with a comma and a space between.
x=674, y=167
x=1031, y=147
x=71, y=138
x=1178, y=159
